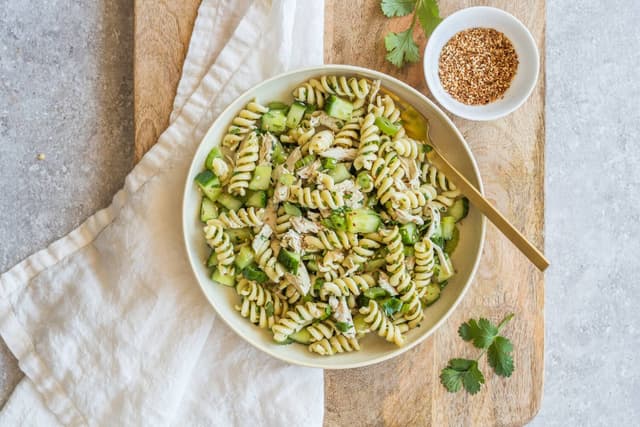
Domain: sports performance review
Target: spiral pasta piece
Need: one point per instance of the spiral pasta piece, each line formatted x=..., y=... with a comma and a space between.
x=267, y=261
x=333, y=345
x=256, y=314
x=321, y=330
x=300, y=316
x=330, y=240
x=349, y=134
x=320, y=142
x=425, y=263
x=435, y=178
x=245, y=164
x=395, y=261
x=309, y=94
x=363, y=251
x=344, y=286
x=342, y=86
x=409, y=148
x=283, y=221
x=409, y=296
x=369, y=140
x=262, y=296
x=221, y=244
x=243, y=123
x=386, y=107
x=243, y=217
x=378, y=321
x=316, y=199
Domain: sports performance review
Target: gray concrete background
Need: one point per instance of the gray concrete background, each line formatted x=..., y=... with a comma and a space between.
x=66, y=91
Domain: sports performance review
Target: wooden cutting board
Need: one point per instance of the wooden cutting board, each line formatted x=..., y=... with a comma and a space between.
x=510, y=153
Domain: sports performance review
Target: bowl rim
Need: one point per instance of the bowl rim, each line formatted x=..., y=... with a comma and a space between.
x=349, y=69
x=452, y=107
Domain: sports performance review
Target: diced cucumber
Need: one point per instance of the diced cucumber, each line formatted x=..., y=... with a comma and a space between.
x=459, y=209
x=338, y=108
x=207, y=179
x=273, y=121
x=277, y=105
x=209, y=184
x=452, y=244
x=230, y=202
x=374, y=264
x=365, y=181
x=409, y=233
x=215, y=153
x=257, y=199
x=305, y=161
x=239, y=235
x=252, y=272
x=279, y=156
x=386, y=126
x=339, y=173
x=360, y=325
x=302, y=336
x=223, y=279
x=261, y=178
x=208, y=210
x=432, y=293
x=213, y=259
x=408, y=251
x=448, y=223
x=296, y=113
x=244, y=257
x=363, y=221
x=291, y=209
x=375, y=292
x=287, y=179
x=329, y=163
x=289, y=260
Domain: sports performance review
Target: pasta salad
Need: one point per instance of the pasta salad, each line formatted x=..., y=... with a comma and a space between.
x=326, y=217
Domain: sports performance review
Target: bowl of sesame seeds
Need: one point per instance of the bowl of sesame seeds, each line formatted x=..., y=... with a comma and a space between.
x=481, y=63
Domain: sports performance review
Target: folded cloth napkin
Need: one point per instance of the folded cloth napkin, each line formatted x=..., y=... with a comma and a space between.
x=108, y=323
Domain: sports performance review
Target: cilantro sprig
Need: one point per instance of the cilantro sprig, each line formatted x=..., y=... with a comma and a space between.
x=484, y=335
x=401, y=47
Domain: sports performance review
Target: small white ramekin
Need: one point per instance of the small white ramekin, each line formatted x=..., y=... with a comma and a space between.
x=523, y=42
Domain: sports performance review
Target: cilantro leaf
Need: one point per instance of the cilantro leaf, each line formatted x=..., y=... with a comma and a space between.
x=401, y=47
x=343, y=326
x=462, y=372
x=481, y=332
x=500, y=358
x=392, y=8
x=428, y=15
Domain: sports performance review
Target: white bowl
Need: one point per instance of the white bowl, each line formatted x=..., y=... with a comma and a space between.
x=374, y=349
x=523, y=42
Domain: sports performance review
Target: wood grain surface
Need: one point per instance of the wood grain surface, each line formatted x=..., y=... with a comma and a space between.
x=405, y=391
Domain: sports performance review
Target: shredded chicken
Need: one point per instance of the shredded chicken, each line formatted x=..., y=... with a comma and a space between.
x=221, y=169
x=309, y=171
x=326, y=120
x=404, y=217
x=411, y=172
x=261, y=237
x=355, y=198
x=270, y=214
x=303, y=225
x=301, y=280
x=342, y=313
x=294, y=156
x=383, y=282
x=339, y=153
x=292, y=240
x=266, y=147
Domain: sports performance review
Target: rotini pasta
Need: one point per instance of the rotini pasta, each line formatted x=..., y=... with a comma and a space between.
x=326, y=218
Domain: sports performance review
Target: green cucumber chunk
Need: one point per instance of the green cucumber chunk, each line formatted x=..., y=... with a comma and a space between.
x=252, y=272
x=374, y=264
x=244, y=257
x=302, y=336
x=452, y=244
x=279, y=156
x=257, y=199
x=375, y=292
x=208, y=210
x=289, y=260
x=223, y=279
x=442, y=274
x=339, y=173
x=363, y=221
x=261, y=178
x=296, y=113
x=448, y=223
x=432, y=293
x=291, y=209
x=215, y=153
x=329, y=163
x=359, y=323
x=459, y=209
x=336, y=221
x=209, y=184
x=338, y=108
x=239, y=235
x=230, y=202
x=213, y=259
x=277, y=105
x=273, y=121
x=305, y=161
x=287, y=179
x=386, y=126
x=409, y=233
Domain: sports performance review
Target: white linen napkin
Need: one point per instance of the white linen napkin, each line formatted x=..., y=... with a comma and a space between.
x=108, y=323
